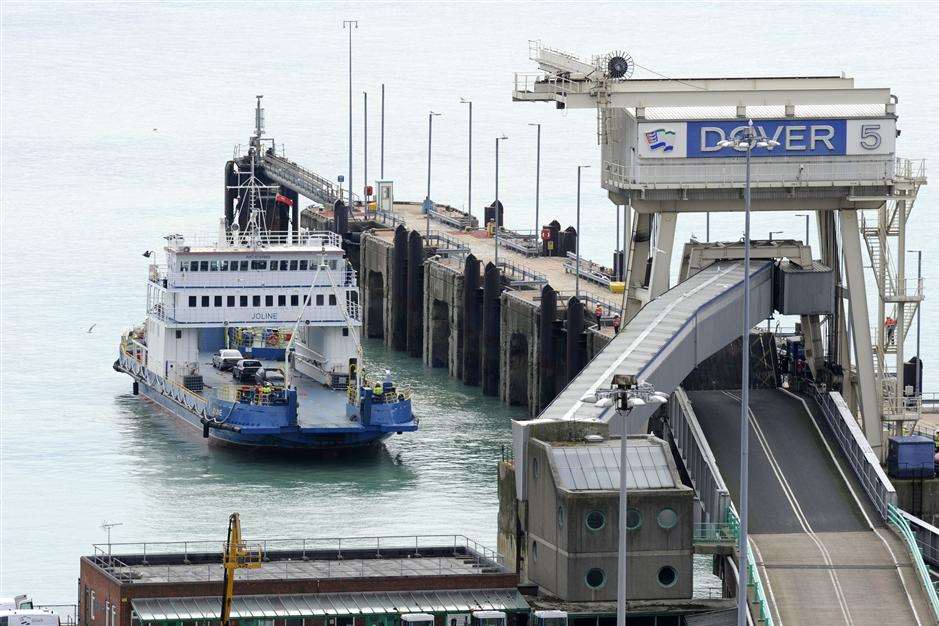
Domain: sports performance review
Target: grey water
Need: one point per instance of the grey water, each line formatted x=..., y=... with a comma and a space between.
x=117, y=119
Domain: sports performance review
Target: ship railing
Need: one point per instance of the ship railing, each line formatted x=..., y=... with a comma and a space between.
x=340, y=277
x=251, y=394
x=128, y=555
x=401, y=392
x=306, y=238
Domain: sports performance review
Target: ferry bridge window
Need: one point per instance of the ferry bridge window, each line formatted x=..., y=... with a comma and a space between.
x=258, y=265
x=244, y=301
x=233, y=265
x=203, y=266
x=319, y=299
x=218, y=300
x=281, y=300
x=244, y=266
x=213, y=266
x=183, y=266
x=283, y=265
x=231, y=300
x=274, y=266
x=192, y=300
x=194, y=266
x=255, y=300
x=294, y=300
x=223, y=265
x=205, y=301
x=332, y=299
x=268, y=300
x=293, y=264
x=303, y=264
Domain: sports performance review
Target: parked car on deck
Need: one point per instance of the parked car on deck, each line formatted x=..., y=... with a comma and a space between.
x=225, y=359
x=245, y=369
x=270, y=376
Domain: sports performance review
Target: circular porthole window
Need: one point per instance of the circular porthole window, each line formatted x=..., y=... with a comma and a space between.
x=595, y=520
x=667, y=576
x=534, y=550
x=560, y=516
x=667, y=518
x=633, y=519
x=595, y=578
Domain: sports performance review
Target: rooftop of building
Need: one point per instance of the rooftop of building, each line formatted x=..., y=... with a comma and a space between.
x=300, y=559
x=595, y=466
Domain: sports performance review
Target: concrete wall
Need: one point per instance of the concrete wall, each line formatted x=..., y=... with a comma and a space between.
x=376, y=259
x=443, y=287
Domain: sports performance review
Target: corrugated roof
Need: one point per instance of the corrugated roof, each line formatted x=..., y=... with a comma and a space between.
x=326, y=604
x=596, y=466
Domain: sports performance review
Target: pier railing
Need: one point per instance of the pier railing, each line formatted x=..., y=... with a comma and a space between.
x=125, y=556
x=589, y=270
x=445, y=245
x=526, y=242
x=520, y=276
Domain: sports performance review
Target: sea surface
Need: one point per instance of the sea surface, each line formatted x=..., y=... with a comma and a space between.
x=117, y=119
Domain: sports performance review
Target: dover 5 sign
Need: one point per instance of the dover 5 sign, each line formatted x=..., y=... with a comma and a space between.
x=796, y=137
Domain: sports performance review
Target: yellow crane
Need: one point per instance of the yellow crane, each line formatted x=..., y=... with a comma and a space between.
x=236, y=555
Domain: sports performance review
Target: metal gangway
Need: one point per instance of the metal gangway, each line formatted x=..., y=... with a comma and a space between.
x=301, y=180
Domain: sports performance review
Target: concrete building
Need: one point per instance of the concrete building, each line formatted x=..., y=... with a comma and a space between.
x=571, y=519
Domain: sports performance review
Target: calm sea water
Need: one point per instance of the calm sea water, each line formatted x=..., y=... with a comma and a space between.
x=117, y=120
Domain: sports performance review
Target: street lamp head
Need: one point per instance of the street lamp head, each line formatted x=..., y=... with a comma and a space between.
x=534, y=124
x=432, y=113
x=464, y=100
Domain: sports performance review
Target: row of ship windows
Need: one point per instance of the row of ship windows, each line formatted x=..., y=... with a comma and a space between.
x=245, y=265
x=256, y=301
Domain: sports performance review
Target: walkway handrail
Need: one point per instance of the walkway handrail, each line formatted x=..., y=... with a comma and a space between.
x=753, y=579
x=856, y=448
x=899, y=521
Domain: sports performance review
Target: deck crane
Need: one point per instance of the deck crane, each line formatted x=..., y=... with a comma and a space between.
x=236, y=555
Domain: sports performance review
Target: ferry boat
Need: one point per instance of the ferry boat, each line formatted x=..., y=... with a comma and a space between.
x=287, y=302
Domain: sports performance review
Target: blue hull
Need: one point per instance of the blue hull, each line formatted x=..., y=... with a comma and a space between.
x=287, y=438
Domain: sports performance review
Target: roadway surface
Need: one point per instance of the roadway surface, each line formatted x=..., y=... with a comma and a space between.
x=822, y=551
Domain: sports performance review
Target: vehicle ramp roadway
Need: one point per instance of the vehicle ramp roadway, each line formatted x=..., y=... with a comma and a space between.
x=820, y=546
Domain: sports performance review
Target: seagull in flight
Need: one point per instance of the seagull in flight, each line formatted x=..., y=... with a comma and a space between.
x=92, y=327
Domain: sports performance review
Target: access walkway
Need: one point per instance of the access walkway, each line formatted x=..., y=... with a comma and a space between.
x=821, y=547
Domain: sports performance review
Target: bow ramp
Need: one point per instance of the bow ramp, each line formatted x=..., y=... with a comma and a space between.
x=667, y=339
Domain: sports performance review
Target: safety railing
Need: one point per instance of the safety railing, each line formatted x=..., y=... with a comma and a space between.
x=445, y=245
x=317, y=239
x=723, y=533
x=857, y=450
x=732, y=173
x=252, y=394
x=387, y=218
x=911, y=169
x=299, y=178
x=126, y=556
x=927, y=538
x=754, y=581
x=899, y=521
x=907, y=290
x=589, y=270
x=525, y=242
x=520, y=276
x=454, y=217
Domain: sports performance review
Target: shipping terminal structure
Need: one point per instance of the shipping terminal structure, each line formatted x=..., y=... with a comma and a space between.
x=283, y=298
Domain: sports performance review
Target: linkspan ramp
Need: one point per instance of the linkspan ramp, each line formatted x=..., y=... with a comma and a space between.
x=819, y=544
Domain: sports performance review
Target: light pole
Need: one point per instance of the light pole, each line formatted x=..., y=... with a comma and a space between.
x=625, y=398
x=469, y=175
x=381, y=159
x=747, y=143
x=577, y=270
x=365, y=150
x=496, y=205
x=806, y=216
x=350, y=24
x=707, y=227
x=774, y=232
x=428, y=204
x=538, y=178
x=919, y=308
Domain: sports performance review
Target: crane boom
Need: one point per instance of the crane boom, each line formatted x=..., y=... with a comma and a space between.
x=236, y=555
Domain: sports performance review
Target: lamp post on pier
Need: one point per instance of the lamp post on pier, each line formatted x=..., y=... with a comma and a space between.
x=350, y=24
x=806, y=216
x=498, y=224
x=577, y=267
x=537, y=177
x=746, y=142
x=428, y=203
x=469, y=175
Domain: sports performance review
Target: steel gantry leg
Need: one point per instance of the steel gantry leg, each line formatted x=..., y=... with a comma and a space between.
x=868, y=393
x=662, y=254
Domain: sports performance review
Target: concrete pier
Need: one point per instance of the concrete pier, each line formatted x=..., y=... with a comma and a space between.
x=516, y=330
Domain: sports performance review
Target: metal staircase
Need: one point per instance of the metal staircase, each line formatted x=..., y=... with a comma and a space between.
x=898, y=297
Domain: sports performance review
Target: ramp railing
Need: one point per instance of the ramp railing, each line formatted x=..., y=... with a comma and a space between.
x=697, y=457
x=854, y=444
x=754, y=582
x=898, y=519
